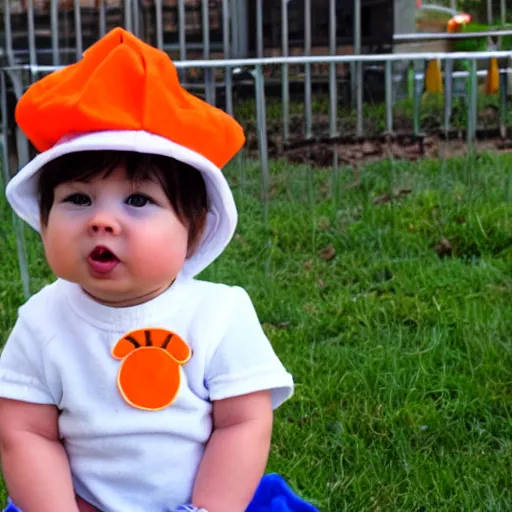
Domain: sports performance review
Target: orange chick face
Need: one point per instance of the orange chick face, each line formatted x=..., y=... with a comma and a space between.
x=149, y=377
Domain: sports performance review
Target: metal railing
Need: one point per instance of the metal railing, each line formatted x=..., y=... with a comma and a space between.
x=257, y=67
x=228, y=65
x=218, y=25
x=67, y=34
x=441, y=36
x=221, y=26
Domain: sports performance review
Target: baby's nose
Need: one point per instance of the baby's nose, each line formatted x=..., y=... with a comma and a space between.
x=104, y=223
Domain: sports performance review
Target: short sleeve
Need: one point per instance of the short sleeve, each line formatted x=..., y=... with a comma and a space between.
x=22, y=375
x=244, y=360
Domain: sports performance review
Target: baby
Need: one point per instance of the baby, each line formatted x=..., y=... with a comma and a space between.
x=127, y=385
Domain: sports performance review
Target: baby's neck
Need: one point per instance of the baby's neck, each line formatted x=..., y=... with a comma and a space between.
x=134, y=300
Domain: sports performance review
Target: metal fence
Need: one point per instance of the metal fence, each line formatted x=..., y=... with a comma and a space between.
x=57, y=31
x=257, y=69
x=218, y=44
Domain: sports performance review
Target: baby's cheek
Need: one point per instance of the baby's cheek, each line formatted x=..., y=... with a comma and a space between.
x=60, y=256
x=161, y=256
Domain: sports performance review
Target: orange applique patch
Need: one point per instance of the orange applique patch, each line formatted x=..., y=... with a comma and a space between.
x=149, y=377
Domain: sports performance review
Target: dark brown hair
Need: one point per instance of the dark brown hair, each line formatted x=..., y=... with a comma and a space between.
x=182, y=184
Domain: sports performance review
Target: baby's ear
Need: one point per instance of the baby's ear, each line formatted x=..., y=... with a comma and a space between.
x=178, y=349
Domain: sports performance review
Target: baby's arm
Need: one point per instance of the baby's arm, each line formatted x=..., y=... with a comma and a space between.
x=34, y=464
x=236, y=454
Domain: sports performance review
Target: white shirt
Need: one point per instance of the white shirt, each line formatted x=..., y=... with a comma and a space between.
x=124, y=459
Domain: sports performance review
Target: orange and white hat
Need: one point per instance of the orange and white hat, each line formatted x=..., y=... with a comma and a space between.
x=125, y=95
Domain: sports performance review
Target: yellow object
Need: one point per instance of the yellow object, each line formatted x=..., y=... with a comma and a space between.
x=492, y=84
x=433, y=79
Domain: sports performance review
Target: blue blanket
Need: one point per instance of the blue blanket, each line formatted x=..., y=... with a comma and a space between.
x=273, y=495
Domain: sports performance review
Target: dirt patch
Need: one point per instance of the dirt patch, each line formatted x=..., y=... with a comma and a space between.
x=350, y=152
x=320, y=150
x=353, y=153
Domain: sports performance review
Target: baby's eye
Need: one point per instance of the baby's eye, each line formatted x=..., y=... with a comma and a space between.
x=138, y=200
x=78, y=199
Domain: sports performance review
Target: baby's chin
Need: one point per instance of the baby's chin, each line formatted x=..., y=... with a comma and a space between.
x=109, y=295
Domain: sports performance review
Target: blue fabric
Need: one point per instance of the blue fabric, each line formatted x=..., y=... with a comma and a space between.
x=11, y=507
x=273, y=495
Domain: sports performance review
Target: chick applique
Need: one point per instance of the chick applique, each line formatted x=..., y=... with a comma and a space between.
x=149, y=377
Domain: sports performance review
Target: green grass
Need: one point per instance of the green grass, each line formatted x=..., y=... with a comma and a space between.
x=402, y=358
x=431, y=114
x=481, y=44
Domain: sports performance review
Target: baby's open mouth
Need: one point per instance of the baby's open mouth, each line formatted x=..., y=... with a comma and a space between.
x=103, y=254
x=102, y=261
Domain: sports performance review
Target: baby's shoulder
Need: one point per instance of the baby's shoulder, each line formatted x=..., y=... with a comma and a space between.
x=217, y=303
x=45, y=306
x=210, y=296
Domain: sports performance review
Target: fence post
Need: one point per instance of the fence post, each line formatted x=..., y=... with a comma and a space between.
x=473, y=102
x=78, y=29
x=136, y=14
x=503, y=103
x=21, y=248
x=259, y=28
x=333, y=100
x=389, y=95
x=261, y=121
x=182, y=20
x=285, y=90
x=5, y=127
x=31, y=33
x=8, y=32
x=358, y=68
x=448, y=81
x=333, y=96
x=307, y=70
x=227, y=55
x=209, y=76
x=416, y=103
x=240, y=22
x=54, y=21
x=127, y=15
x=159, y=24
x=102, y=18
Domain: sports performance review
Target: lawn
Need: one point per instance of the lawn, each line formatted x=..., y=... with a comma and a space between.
x=430, y=115
x=387, y=293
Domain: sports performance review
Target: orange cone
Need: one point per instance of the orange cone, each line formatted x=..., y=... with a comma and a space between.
x=433, y=79
x=492, y=83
